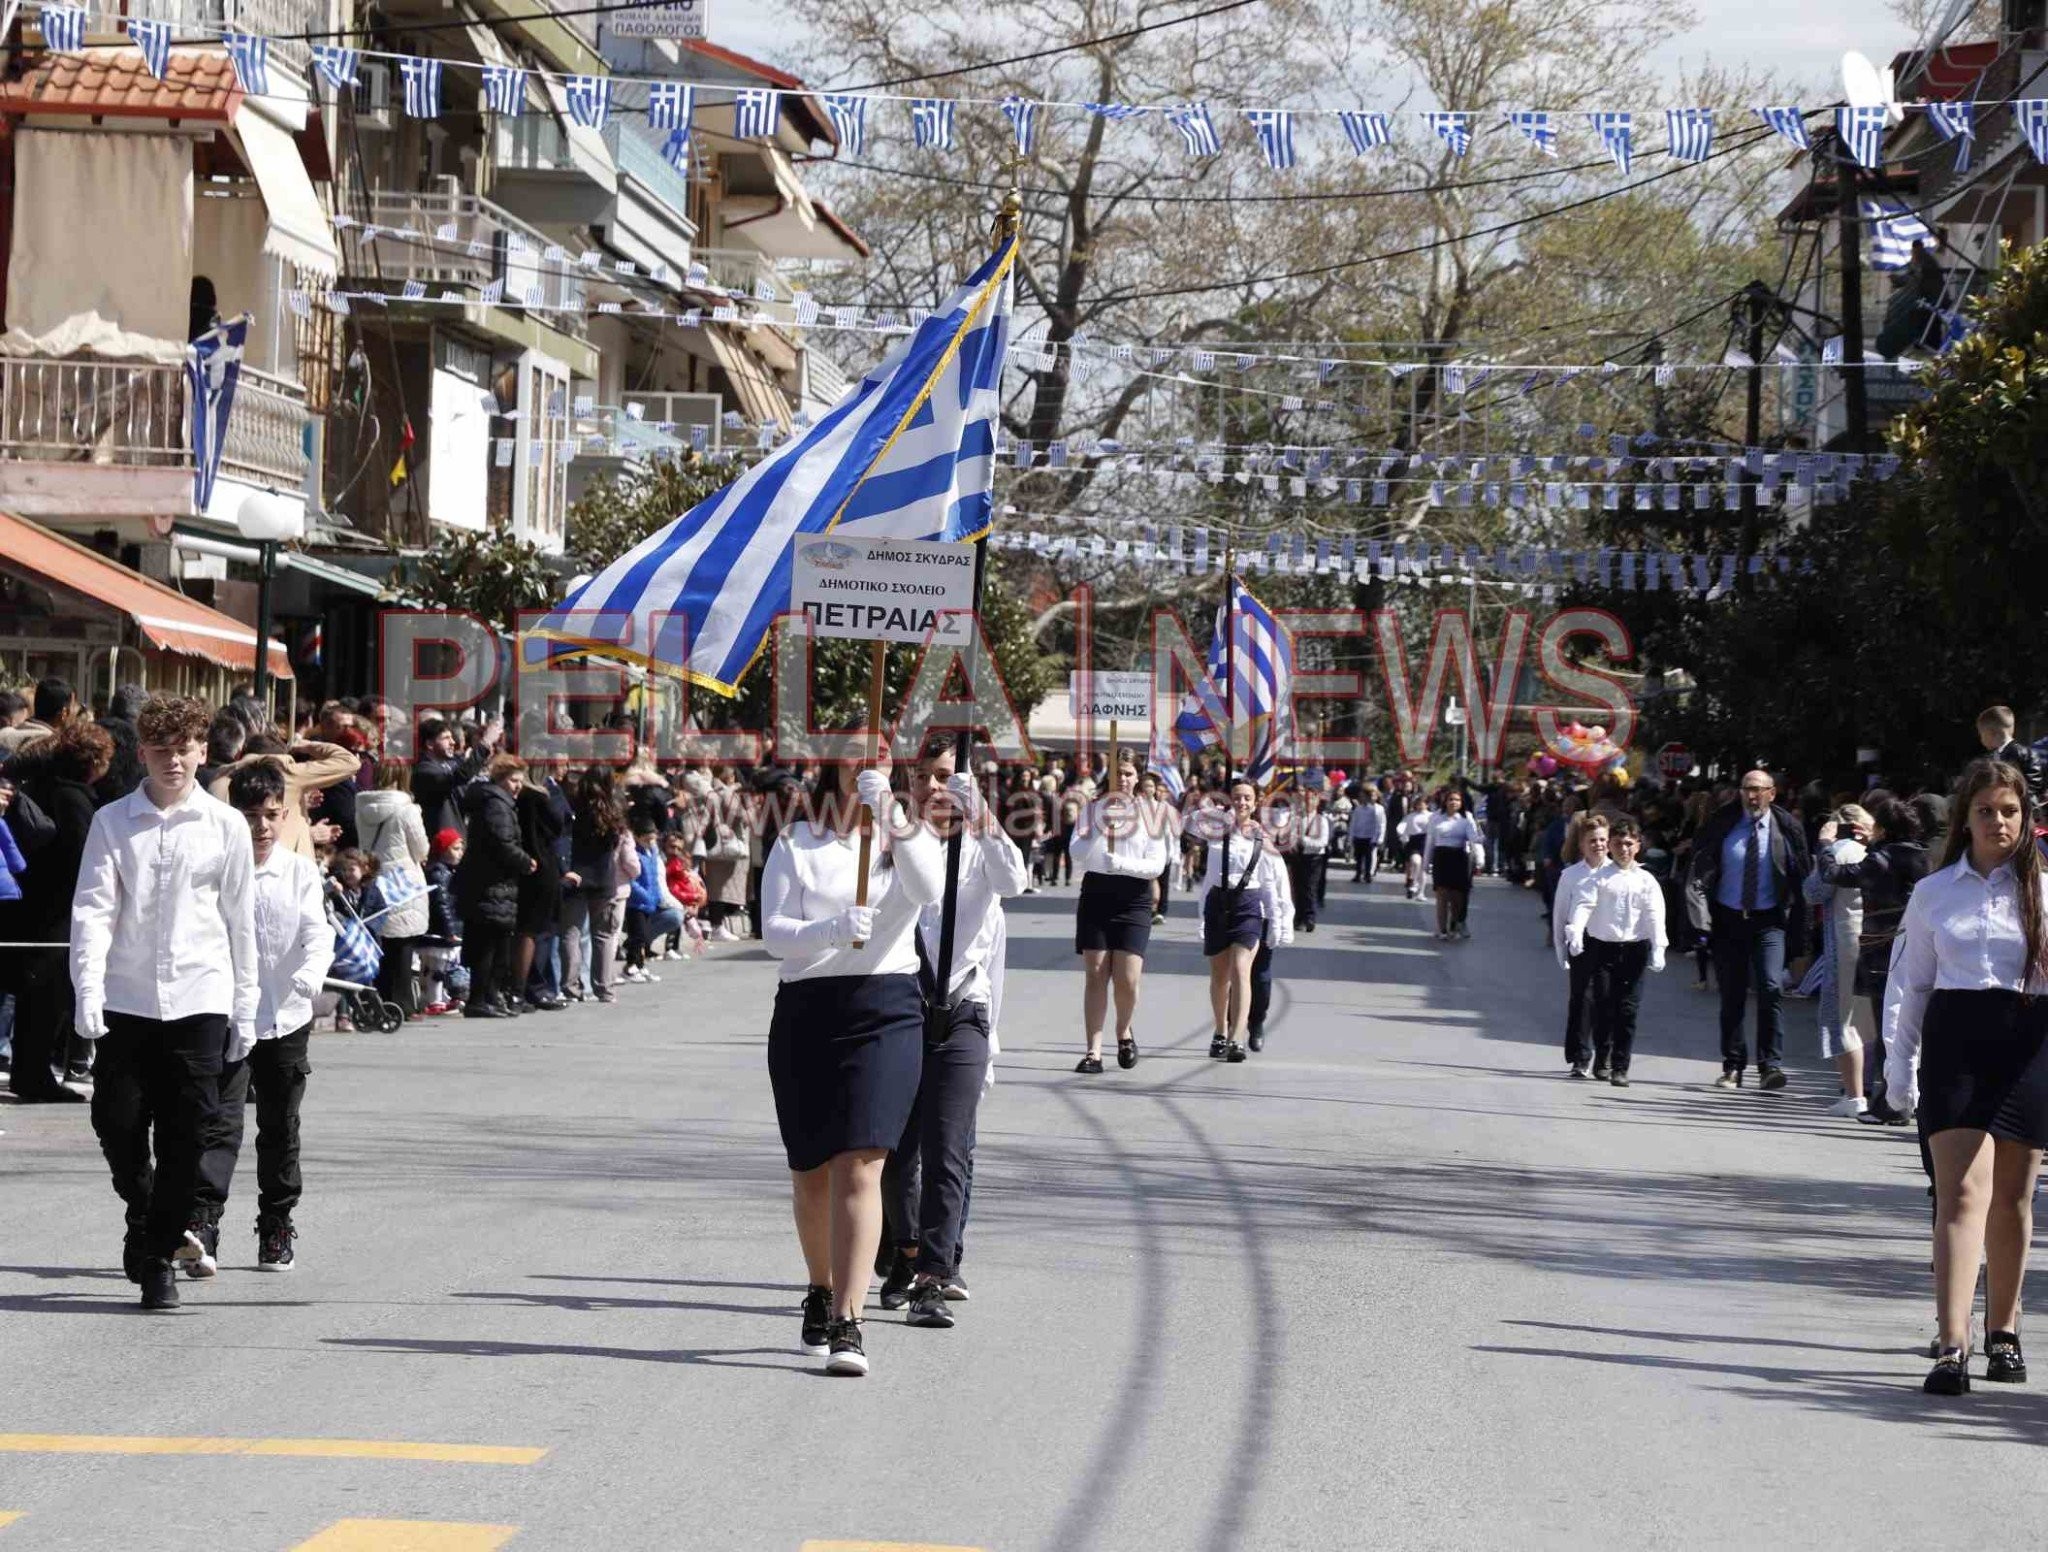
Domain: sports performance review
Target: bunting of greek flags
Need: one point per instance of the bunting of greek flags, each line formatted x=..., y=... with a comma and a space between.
x=589, y=98
x=1115, y=112
x=1275, y=130
x=1689, y=133
x=1956, y=121
x=1617, y=133
x=1893, y=231
x=1788, y=124
x=63, y=28
x=505, y=90
x=1537, y=127
x=676, y=149
x=153, y=38
x=249, y=53
x=1197, y=129
x=2032, y=112
x=670, y=105
x=1861, y=129
x=1365, y=131
x=1023, y=117
x=336, y=65
x=422, y=79
x=1453, y=129
x=756, y=113
x=849, y=115
x=931, y=123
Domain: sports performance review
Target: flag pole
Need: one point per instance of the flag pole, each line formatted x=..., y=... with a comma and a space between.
x=1007, y=223
x=878, y=663
x=1229, y=700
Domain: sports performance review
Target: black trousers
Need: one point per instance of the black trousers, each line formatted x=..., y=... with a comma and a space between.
x=1262, y=986
x=275, y=1072
x=487, y=950
x=394, y=974
x=1749, y=950
x=925, y=1181
x=1581, y=1030
x=159, y=1078
x=1307, y=876
x=45, y=1048
x=1166, y=889
x=1617, y=991
x=1365, y=858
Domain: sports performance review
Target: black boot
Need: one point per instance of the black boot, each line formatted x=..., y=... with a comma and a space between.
x=159, y=1284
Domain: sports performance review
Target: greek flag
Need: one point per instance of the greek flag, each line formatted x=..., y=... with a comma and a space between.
x=756, y=113
x=250, y=55
x=1537, y=127
x=1453, y=129
x=1893, y=231
x=1261, y=684
x=154, y=39
x=1023, y=117
x=1956, y=121
x=670, y=105
x=422, y=86
x=1365, y=130
x=1789, y=123
x=213, y=366
x=1617, y=132
x=676, y=149
x=1689, y=133
x=64, y=28
x=908, y=454
x=1861, y=129
x=589, y=98
x=849, y=116
x=1164, y=761
x=335, y=65
x=1275, y=129
x=2032, y=112
x=505, y=90
x=931, y=123
x=1197, y=129
x=357, y=953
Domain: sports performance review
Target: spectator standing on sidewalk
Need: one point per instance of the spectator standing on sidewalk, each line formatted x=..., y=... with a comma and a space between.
x=390, y=828
x=487, y=886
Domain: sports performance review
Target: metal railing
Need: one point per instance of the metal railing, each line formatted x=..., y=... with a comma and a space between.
x=737, y=269
x=646, y=164
x=267, y=431
x=278, y=20
x=464, y=243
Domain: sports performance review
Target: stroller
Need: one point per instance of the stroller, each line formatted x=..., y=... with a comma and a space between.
x=358, y=956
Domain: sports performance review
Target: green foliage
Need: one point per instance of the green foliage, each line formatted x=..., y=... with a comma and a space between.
x=613, y=515
x=492, y=575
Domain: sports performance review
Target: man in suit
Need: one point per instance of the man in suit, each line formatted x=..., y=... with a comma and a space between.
x=1743, y=890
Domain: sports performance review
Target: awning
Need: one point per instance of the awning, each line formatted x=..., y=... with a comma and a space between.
x=593, y=158
x=760, y=401
x=299, y=231
x=167, y=619
x=331, y=574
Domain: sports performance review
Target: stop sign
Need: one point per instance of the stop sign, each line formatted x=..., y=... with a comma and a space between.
x=1674, y=762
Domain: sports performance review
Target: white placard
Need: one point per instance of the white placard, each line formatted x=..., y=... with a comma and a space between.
x=884, y=589
x=674, y=19
x=1111, y=698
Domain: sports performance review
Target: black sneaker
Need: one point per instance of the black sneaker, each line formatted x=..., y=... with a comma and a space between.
x=928, y=1306
x=896, y=1286
x=199, y=1255
x=1216, y=1047
x=1233, y=1052
x=2005, y=1363
x=1089, y=1064
x=1602, y=1070
x=1256, y=1039
x=134, y=1255
x=954, y=1287
x=159, y=1284
x=1773, y=1078
x=1619, y=1080
x=1576, y=1070
x=274, y=1238
x=848, y=1357
x=817, y=1338
x=1950, y=1375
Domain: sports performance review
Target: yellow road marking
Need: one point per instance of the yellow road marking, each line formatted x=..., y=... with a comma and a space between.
x=880, y=1546
x=408, y=1536
x=342, y=1449
x=9, y=1516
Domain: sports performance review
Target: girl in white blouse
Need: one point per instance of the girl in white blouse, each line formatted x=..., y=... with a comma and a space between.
x=1966, y=1043
x=1120, y=846
x=846, y=1044
x=1453, y=849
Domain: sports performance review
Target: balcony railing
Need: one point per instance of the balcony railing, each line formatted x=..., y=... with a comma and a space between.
x=464, y=243
x=736, y=269
x=133, y=415
x=278, y=20
x=646, y=164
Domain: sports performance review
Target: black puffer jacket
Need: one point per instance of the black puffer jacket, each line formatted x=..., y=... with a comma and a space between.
x=543, y=831
x=1886, y=875
x=487, y=882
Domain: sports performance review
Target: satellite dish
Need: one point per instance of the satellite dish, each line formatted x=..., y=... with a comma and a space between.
x=1866, y=86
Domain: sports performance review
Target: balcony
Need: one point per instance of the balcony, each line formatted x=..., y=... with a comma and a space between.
x=462, y=242
x=550, y=171
x=645, y=163
x=280, y=20
x=740, y=269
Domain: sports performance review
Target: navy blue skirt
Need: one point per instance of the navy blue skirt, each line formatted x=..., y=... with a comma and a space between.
x=1115, y=914
x=845, y=1054
x=1984, y=1065
x=1231, y=917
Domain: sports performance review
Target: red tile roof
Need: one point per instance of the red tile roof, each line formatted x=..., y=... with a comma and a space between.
x=741, y=61
x=112, y=82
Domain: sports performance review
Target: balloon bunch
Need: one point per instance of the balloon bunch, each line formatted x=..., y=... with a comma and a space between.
x=1587, y=748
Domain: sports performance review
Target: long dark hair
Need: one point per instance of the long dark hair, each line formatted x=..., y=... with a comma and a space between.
x=2025, y=859
x=599, y=818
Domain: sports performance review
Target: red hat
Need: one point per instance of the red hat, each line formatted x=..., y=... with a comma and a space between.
x=445, y=839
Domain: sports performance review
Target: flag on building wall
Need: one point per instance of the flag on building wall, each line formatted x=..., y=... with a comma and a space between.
x=213, y=366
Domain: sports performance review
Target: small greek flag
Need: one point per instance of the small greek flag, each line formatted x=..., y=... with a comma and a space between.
x=676, y=149
x=1893, y=231
x=589, y=98
x=505, y=90
x=250, y=55
x=1115, y=112
x=1197, y=129
x=1956, y=121
x=1789, y=124
x=335, y=65
x=1365, y=130
x=670, y=105
x=2032, y=113
x=1537, y=128
x=849, y=115
x=1689, y=133
x=1275, y=129
x=1861, y=129
x=154, y=39
x=413, y=291
x=1617, y=132
x=422, y=86
x=1453, y=129
x=64, y=28
x=756, y=113
x=1023, y=117
x=931, y=123
x=494, y=293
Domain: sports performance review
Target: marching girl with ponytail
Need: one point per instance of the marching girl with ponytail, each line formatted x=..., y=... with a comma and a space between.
x=1235, y=907
x=1120, y=848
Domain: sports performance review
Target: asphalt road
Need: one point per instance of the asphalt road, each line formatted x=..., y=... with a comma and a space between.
x=1394, y=1283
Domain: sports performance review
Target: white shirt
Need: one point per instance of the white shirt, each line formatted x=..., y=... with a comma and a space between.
x=990, y=868
x=1275, y=896
x=1574, y=883
x=1314, y=835
x=163, y=924
x=1368, y=822
x=1415, y=822
x=294, y=942
x=1448, y=830
x=1624, y=905
x=1961, y=933
x=1147, y=833
x=810, y=878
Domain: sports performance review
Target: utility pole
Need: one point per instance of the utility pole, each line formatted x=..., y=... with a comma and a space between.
x=1757, y=301
x=1854, y=394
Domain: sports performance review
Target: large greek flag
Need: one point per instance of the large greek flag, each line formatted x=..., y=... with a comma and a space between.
x=908, y=454
x=1262, y=675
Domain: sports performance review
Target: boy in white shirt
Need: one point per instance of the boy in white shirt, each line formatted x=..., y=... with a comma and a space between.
x=1620, y=924
x=1575, y=883
x=1277, y=900
x=294, y=948
x=163, y=961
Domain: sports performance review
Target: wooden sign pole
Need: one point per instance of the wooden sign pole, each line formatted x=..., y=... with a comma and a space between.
x=877, y=664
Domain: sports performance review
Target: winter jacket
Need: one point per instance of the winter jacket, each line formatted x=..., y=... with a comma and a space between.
x=590, y=859
x=444, y=923
x=390, y=829
x=1886, y=874
x=2028, y=763
x=544, y=818
x=487, y=883
x=437, y=786
x=15, y=865
x=647, y=890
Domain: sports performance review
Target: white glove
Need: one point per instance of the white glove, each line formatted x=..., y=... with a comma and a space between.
x=873, y=788
x=966, y=796
x=1657, y=964
x=1574, y=944
x=855, y=924
x=1901, y=1086
x=241, y=1041
x=1286, y=933
x=91, y=1022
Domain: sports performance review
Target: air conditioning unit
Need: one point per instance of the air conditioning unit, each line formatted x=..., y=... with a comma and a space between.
x=373, y=94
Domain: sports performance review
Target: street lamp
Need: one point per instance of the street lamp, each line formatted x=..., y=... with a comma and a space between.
x=269, y=519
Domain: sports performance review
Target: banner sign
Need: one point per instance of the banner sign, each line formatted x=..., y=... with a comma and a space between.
x=884, y=589
x=1110, y=697
x=675, y=19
